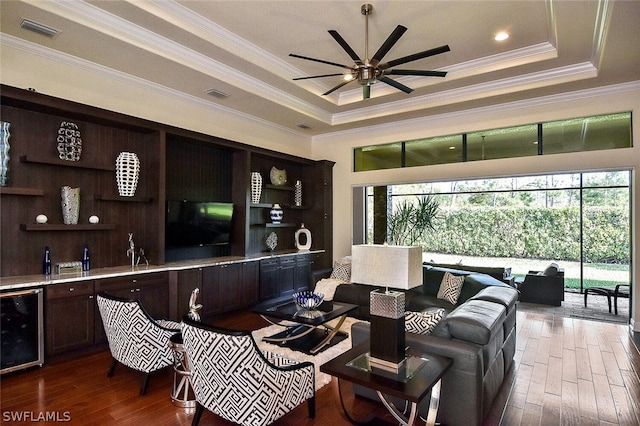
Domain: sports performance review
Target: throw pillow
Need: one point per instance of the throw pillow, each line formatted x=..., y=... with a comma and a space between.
x=551, y=270
x=450, y=287
x=341, y=271
x=327, y=287
x=422, y=322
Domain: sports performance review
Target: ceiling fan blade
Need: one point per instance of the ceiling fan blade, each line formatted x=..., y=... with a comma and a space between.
x=319, y=60
x=317, y=76
x=343, y=43
x=388, y=44
x=337, y=87
x=415, y=57
x=395, y=84
x=422, y=73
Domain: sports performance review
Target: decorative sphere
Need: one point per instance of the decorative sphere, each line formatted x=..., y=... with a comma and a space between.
x=94, y=219
x=41, y=218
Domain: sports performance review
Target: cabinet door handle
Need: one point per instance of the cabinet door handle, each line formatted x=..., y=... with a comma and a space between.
x=134, y=281
x=71, y=289
x=133, y=290
x=91, y=297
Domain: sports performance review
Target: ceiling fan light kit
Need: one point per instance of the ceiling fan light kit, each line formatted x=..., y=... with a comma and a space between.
x=369, y=71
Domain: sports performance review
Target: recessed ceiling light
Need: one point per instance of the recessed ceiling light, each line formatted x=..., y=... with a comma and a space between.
x=501, y=36
x=36, y=27
x=452, y=147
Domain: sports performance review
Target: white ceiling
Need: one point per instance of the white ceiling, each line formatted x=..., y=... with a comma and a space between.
x=241, y=48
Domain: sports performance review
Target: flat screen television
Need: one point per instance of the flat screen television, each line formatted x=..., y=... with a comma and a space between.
x=197, y=223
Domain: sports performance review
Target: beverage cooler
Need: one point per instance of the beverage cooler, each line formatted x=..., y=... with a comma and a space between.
x=21, y=328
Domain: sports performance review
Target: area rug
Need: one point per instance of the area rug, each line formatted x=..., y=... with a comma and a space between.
x=319, y=359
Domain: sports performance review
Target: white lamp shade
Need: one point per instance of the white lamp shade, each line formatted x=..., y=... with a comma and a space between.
x=387, y=266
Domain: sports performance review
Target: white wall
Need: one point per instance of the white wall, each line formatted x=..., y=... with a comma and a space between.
x=339, y=148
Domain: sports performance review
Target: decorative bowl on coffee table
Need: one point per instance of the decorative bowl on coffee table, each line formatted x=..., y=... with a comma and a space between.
x=308, y=299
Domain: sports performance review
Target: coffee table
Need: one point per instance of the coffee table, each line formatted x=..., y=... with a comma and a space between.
x=305, y=330
x=419, y=377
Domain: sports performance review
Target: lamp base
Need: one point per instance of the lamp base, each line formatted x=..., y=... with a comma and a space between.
x=386, y=366
x=387, y=342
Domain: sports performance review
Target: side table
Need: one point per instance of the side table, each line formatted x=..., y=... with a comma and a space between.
x=419, y=377
x=182, y=393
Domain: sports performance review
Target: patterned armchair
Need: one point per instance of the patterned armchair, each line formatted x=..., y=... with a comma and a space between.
x=235, y=380
x=135, y=338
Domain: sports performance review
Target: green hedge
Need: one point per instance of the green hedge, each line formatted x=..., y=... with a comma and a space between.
x=534, y=233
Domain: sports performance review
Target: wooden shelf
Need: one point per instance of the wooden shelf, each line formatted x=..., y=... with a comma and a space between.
x=284, y=206
x=10, y=190
x=280, y=187
x=134, y=199
x=58, y=162
x=62, y=227
x=280, y=225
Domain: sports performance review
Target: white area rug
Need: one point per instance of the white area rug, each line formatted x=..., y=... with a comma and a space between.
x=324, y=356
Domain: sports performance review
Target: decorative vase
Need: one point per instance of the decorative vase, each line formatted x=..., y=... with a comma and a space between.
x=297, y=194
x=69, y=142
x=256, y=187
x=278, y=177
x=303, y=238
x=276, y=213
x=127, y=173
x=4, y=152
x=70, y=205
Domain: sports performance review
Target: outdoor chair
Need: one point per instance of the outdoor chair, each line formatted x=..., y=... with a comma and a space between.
x=620, y=290
x=135, y=338
x=542, y=287
x=235, y=380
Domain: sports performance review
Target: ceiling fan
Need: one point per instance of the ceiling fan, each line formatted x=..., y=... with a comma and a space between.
x=368, y=71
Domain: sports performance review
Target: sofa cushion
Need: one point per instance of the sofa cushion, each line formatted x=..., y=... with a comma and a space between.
x=423, y=322
x=450, y=287
x=475, y=321
x=550, y=271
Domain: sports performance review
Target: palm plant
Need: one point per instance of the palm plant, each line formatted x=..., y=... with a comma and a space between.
x=409, y=220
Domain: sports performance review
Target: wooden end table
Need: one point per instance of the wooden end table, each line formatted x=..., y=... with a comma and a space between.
x=419, y=377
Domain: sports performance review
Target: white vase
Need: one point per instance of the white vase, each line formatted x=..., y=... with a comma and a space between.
x=70, y=200
x=297, y=194
x=127, y=173
x=303, y=238
x=256, y=187
x=276, y=213
x=4, y=153
x=278, y=177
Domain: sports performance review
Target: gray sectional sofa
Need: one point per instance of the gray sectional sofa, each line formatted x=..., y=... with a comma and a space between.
x=478, y=333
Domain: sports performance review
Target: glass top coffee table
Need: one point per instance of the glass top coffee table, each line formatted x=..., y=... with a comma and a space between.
x=420, y=376
x=305, y=330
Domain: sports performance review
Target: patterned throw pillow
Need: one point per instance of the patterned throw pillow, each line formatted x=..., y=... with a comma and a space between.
x=422, y=322
x=341, y=271
x=450, y=287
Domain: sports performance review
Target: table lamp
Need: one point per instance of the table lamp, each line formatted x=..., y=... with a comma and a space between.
x=396, y=267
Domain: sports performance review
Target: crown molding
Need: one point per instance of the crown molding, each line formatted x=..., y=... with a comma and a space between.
x=461, y=115
x=127, y=79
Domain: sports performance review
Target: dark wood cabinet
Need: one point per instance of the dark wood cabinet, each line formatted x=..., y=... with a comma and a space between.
x=70, y=316
x=281, y=276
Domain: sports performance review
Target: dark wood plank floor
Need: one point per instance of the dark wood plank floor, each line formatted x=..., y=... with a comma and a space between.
x=568, y=372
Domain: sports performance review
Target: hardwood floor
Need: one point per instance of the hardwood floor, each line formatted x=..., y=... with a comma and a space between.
x=568, y=372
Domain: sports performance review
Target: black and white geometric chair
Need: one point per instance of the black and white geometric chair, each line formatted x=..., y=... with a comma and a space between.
x=234, y=379
x=135, y=338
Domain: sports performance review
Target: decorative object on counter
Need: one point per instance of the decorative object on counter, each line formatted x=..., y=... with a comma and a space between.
x=70, y=205
x=297, y=193
x=41, y=219
x=308, y=299
x=69, y=267
x=4, y=152
x=85, y=259
x=46, y=261
x=69, y=142
x=278, y=177
x=303, y=243
x=131, y=252
x=94, y=219
x=141, y=256
x=127, y=173
x=272, y=241
x=256, y=187
x=193, y=306
x=276, y=213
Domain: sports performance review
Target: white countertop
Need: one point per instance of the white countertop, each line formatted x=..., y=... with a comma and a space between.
x=27, y=281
